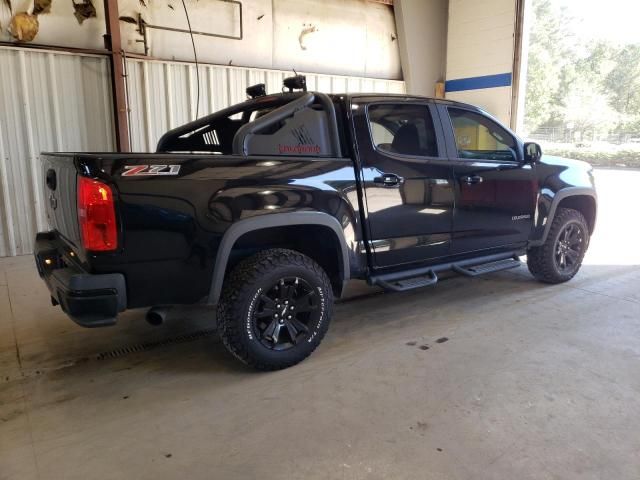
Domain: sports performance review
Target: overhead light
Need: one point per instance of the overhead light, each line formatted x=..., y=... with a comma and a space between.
x=257, y=90
x=299, y=82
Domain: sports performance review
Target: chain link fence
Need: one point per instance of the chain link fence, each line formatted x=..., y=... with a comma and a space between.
x=567, y=136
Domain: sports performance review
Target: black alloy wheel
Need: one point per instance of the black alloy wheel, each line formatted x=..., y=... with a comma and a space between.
x=559, y=258
x=284, y=312
x=569, y=247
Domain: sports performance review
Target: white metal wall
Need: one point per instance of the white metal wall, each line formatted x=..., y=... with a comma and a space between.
x=480, y=45
x=53, y=101
x=49, y=101
x=162, y=95
x=422, y=41
x=350, y=37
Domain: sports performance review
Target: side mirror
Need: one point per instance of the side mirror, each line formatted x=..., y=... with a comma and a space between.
x=532, y=152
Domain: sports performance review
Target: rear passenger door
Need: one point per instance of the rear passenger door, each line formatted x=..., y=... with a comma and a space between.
x=495, y=191
x=407, y=180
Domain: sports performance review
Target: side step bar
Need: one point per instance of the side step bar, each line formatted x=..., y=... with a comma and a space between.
x=475, y=270
x=404, y=284
x=425, y=276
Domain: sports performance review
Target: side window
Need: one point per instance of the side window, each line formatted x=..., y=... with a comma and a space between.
x=403, y=129
x=479, y=137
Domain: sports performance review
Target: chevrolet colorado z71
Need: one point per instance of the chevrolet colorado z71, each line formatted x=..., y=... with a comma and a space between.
x=267, y=208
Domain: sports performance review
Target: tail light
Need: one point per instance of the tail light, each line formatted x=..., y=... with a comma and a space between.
x=96, y=215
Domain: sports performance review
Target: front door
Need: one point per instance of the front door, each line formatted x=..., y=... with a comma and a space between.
x=495, y=190
x=407, y=179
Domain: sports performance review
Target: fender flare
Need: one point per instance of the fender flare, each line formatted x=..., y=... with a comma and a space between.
x=242, y=227
x=557, y=198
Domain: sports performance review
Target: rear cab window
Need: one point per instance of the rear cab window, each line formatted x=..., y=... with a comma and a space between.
x=402, y=129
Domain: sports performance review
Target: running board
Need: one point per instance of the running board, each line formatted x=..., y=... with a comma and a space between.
x=425, y=276
x=404, y=284
x=475, y=270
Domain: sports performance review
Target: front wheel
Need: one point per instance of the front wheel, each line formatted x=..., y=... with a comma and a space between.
x=275, y=309
x=560, y=257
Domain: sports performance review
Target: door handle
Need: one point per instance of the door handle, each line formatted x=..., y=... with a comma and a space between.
x=388, y=179
x=472, y=179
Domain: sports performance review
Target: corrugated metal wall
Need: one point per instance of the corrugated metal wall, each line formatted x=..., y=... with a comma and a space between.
x=53, y=101
x=49, y=101
x=162, y=95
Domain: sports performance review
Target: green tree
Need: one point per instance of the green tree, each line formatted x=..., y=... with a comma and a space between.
x=582, y=93
x=586, y=111
x=623, y=85
x=577, y=83
x=550, y=49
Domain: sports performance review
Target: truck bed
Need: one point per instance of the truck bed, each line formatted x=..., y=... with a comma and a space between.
x=173, y=209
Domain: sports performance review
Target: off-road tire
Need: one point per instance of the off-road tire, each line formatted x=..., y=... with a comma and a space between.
x=542, y=260
x=246, y=282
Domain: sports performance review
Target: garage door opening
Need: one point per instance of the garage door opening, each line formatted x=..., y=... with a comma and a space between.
x=583, y=81
x=583, y=102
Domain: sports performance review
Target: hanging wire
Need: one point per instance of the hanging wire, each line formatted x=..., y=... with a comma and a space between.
x=195, y=57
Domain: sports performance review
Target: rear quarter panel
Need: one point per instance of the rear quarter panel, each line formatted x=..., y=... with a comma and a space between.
x=172, y=225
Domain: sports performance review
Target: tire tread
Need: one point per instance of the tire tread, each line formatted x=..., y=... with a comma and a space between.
x=540, y=260
x=238, y=289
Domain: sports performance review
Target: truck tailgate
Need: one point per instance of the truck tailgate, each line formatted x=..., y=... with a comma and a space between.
x=60, y=184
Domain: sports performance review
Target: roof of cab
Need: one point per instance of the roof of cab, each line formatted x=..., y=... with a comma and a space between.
x=372, y=96
x=404, y=96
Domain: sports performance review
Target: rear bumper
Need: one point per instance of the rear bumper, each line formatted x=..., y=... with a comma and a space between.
x=89, y=300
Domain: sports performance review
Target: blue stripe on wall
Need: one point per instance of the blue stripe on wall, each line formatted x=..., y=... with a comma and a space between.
x=476, y=83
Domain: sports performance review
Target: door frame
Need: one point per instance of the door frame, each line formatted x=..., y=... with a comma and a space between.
x=360, y=119
x=456, y=161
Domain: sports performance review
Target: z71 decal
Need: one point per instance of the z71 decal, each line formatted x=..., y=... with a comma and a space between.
x=141, y=170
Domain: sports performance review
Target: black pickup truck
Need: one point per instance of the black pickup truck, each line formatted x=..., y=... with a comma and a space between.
x=266, y=209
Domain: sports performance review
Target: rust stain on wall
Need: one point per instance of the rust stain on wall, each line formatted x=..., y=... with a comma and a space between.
x=306, y=30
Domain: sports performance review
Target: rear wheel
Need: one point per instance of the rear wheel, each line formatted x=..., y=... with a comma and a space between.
x=275, y=309
x=560, y=257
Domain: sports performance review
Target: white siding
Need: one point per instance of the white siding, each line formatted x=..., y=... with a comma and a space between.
x=162, y=95
x=49, y=101
x=53, y=101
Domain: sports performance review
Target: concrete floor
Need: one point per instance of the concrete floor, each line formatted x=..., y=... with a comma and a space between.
x=498, y=377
